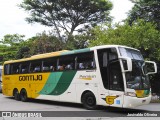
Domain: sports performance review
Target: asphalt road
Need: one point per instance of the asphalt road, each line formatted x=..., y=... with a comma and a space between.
x=69, y=110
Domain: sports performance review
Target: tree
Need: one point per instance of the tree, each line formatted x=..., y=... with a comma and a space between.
x=67, y=15
x=10, y=45
x=23, y=52
x=147, y=10
x=81, y=41
x=44, y=43
x=141, y=35
x=12, y=40
x=2, y=50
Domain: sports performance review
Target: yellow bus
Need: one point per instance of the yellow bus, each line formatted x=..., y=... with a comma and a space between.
x=108, y=75
x=1, y=67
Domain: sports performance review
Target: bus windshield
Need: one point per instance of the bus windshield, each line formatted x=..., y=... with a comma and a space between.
x=136, y=79
x=131, y=53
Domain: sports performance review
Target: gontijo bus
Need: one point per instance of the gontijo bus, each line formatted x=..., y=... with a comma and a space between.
x=109, y=75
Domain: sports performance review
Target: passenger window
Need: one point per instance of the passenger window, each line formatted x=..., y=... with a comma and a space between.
x=66, y=63
x=35, y=66
x=6, y=69
x=15, y=68
x=25, y=67
x=85, y=61
x=49, y=64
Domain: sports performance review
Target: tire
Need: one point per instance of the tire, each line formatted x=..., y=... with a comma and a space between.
x=16, y=95
x=23, y=95
x=89, y=101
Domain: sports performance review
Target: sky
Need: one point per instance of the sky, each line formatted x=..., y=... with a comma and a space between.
x=12, y=20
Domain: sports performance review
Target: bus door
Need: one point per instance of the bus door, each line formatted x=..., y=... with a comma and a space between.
x=116, y=84
x=111, y=77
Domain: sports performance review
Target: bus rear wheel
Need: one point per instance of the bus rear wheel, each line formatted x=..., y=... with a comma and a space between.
x=16, y=94
x=89, y=101
x=23, y=95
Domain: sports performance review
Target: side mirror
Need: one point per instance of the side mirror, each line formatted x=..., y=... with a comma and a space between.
x=127, y=64
x=150, y=67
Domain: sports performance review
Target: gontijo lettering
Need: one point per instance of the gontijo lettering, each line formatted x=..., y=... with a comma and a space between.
x=30, y=78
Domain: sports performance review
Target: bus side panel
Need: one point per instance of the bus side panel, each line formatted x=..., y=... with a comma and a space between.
x=86, y=81
x=44, y=89
x=32, y=83
x=66, y=86
x=70, y=94
x=8, y=84
x=62, y=88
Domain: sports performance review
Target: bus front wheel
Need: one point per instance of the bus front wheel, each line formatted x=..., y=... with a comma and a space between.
x=89, y=101
x=23, y=95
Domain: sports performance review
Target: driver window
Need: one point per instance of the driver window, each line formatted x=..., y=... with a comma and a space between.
x=105, y=60
x=113, y=56
x=115, y=79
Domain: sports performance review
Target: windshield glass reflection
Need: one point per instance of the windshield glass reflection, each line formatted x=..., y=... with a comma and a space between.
x=137, y=79
x=131, y=53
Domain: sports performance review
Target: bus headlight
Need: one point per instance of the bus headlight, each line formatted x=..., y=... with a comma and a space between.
x=132, y=94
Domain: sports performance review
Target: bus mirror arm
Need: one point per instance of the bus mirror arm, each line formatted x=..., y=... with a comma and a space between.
x=126, y=64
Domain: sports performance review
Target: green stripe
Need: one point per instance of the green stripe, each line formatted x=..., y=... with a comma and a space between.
x=63, y=83
x=51, y=83
x=76, y=51
x=146, y=92
x=58, y=83
x=82, y=50
x=67, y=53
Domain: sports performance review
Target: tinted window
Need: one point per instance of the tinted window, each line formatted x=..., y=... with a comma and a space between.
x=66, y=62
x=115, y=76
x=105, y=56
x=49, y=64
x=6, y=69
x=36, y=66
x=25, y=67
x=85, y=61
x=134, y=54
x=15, y=68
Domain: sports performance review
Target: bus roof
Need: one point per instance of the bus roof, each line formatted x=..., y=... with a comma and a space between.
x=110, y=46
x=64, y=52
x=51, y=54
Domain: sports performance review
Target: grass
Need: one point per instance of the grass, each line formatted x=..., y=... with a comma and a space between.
x=155, y=101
